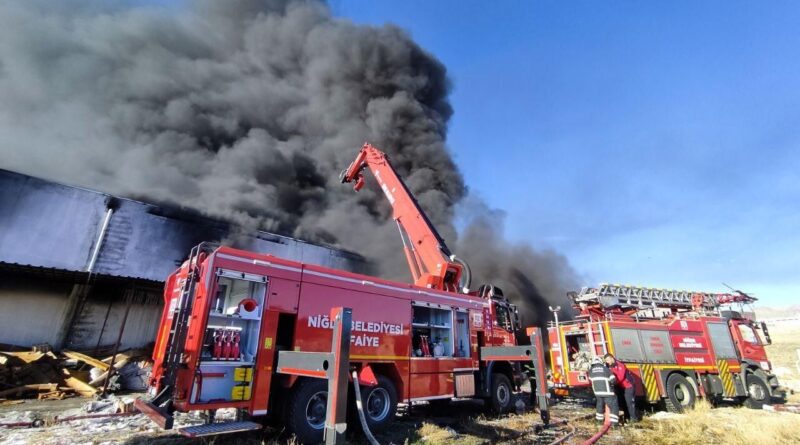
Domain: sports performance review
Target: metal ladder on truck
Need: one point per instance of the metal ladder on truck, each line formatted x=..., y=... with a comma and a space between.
x=159, y=408
x=626, y=296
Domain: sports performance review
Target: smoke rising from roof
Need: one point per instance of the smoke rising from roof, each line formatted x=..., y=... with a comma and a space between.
x=245, y=110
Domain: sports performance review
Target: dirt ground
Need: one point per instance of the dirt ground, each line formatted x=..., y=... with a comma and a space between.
x=459, y=423
x=462, y=422
x=783, y=353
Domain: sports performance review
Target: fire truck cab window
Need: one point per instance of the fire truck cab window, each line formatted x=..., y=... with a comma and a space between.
x=579, y=351
x=432, y=331
x=503, y=317
x=748, y=334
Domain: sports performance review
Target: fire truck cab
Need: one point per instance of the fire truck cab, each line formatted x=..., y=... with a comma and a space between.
x=679, y=345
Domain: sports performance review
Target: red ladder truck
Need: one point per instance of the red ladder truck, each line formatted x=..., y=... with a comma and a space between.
x=230, y=315
x=679, y=345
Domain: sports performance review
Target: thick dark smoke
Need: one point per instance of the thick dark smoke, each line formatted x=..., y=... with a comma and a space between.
x=245, y=110
x=533, y=279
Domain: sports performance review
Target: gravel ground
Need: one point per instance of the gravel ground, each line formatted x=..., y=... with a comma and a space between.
x=463, y=422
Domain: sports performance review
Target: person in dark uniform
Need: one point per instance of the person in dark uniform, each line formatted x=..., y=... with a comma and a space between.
x=624, y=386
x=603, y=388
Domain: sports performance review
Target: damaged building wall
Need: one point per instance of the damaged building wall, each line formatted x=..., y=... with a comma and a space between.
x=98, y=322
x=70, y=257
x=31, y=308
x=34, y=309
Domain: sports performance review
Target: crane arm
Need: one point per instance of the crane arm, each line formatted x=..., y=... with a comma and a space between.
x=430, y=261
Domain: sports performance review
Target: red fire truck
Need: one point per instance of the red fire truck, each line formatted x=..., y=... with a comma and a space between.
x=679, y=345
x=229, y=312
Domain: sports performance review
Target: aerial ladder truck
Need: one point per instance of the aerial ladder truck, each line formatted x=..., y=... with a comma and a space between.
x=256, y=333
x=680, y=345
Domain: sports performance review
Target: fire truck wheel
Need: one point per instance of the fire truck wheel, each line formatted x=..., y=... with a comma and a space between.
x=305, y=415
x=379, y=403
x=680, y=394
x=501, y=395
x=758, y=392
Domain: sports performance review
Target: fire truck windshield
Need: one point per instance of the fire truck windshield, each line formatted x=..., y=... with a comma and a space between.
x=748, y=334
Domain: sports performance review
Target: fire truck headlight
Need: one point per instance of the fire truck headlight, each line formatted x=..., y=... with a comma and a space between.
x=764, y=366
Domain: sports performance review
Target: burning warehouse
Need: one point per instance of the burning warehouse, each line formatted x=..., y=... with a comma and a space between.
x=79, y=266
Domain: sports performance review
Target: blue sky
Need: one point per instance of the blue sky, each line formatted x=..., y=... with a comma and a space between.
x=653, y=144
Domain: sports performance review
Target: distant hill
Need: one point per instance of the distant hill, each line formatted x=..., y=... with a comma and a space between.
x=767, y=312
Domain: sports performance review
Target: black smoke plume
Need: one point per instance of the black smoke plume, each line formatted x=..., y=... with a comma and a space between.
x=245, y=110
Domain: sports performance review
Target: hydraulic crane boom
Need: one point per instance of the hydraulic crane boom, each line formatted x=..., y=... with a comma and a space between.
x=430, y=261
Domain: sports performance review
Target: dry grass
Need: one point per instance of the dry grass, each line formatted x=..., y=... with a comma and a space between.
x=434, y=434
x=724, y=426
x=783, y=355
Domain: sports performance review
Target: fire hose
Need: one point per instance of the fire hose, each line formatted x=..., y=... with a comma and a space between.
x=563, y=438
x=603, y=430
x=360, y=408
x=572, y=429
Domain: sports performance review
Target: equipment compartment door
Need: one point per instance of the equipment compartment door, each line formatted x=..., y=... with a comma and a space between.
x=230, y=342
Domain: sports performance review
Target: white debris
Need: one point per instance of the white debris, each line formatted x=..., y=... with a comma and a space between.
x=95, y=431
x=665, y=415
x=101, y=406
x=95, y=373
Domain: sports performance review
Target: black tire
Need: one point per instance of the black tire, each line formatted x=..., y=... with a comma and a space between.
x=305, y=414
x=501, y=396
x=680, y=394
x=379, y=403
x=758, y=392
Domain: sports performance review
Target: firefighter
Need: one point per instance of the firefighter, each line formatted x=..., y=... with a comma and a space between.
x=624, y=386
x=603, y=388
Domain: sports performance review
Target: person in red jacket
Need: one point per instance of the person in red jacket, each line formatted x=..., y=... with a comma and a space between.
x=624, y=384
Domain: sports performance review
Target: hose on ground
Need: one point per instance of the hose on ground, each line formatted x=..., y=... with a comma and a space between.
x=603, y=430
x=360, y=408
x=563, y=422
x=567, y=436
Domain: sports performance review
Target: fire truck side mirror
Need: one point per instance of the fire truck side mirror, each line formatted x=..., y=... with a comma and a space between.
x=765, y=333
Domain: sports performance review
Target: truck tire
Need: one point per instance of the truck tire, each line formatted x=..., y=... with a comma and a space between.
x=501, y=394
x=379, y=403
x=305, y=414
x=680, y=394
x=758, y=393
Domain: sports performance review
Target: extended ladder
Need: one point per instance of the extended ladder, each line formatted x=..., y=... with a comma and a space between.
x=611, y=295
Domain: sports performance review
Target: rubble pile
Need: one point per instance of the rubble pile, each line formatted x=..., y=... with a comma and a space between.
x=45, y=375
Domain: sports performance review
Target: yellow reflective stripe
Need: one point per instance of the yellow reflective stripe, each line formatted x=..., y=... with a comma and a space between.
x=564, y=353
x=609, y=342
x=711, y=367
x=649, y=380
x=727, y=379
x=379, y=357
